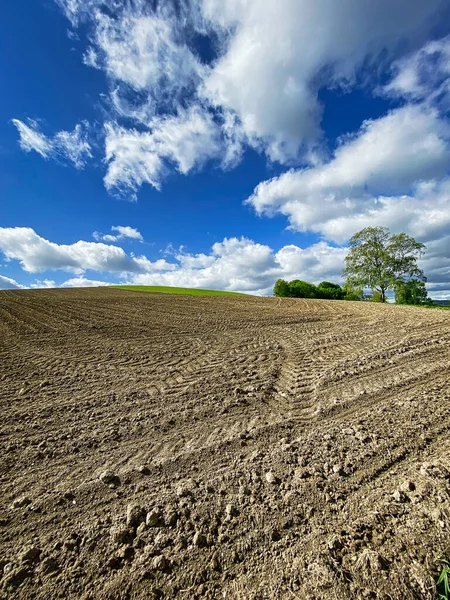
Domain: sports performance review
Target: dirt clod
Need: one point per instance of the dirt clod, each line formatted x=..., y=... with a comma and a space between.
x=159, y=563
x=121, y=534
x=199, y=540
x=135, y=515
x=109, y=477
x=399, y=496
x=49, y=565
x=154, y=517
x=21, y=502
x=31, y=554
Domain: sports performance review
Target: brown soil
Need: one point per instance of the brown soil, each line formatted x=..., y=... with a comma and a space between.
x=275, y=448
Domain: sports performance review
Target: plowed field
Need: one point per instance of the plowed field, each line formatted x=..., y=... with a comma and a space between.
x=157, y=446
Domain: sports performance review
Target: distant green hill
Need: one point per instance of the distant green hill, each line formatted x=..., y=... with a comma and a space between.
x=175, y=290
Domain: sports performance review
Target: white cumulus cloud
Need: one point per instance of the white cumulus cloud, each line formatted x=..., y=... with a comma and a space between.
x=83, y=282
x=171, y=107
x=37, y=254
x=389, y=173
x=44, y=283
x=7, y=283
x=233, y=264
x=243, y=265
x=279, y=54
x=123, y=232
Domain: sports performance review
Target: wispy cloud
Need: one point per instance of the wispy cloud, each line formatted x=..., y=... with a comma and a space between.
x=67, y=145
x=32, y=139
x=186, y=140
x=423, y=75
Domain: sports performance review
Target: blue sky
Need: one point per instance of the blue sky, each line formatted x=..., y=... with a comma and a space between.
x=219, y=144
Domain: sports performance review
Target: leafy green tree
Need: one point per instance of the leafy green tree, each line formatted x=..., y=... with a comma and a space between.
x=352, y=292
x=330, y=291
x=411, y=292
x=379, y=260
x=302, y=289
x=376, y=297
x=281, y=288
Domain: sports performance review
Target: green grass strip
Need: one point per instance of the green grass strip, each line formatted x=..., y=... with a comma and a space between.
x=175, y=290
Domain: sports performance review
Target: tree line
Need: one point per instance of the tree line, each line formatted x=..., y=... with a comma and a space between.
x=325, y=290
x=378, y=262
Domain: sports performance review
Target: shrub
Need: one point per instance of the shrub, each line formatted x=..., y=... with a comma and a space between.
x=281, y=288
x=330, y=291
x=302, y=289
x=411, y=292
x=376, y=297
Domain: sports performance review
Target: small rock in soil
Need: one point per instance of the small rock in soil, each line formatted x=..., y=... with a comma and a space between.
x=171, y=518
x=16, y=576
x=162, y=540
x=215, y=563
x=244, y=490
x=334, y=544
x=114, y=563
x=407, y=486
x=338, y=470
x=186, y=488
x=8, y=568
x=230, y=511
x=271, y=478
x=125, y=552
x=399, y=496
x=182, y=544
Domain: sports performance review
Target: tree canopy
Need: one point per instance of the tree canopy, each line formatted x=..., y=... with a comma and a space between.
x=381, y=261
